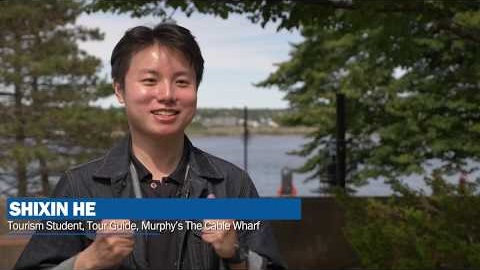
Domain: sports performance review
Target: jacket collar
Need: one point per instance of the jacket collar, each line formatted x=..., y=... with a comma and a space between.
x=116, y=162
x=201, y=164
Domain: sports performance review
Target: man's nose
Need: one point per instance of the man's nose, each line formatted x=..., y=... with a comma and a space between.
x=165, y=92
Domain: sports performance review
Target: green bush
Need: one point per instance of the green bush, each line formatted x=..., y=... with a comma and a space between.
x=416, y=230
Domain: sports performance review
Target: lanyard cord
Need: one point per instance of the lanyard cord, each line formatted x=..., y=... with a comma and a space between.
x=135, y=182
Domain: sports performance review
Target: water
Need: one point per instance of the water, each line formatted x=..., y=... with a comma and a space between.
x=268, y=154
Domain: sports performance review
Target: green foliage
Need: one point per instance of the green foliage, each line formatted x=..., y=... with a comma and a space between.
x=396, y=122
x=288, y=13
x=47, y=84
x=416, y=231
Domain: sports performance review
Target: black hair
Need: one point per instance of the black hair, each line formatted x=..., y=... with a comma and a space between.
x=170, y=35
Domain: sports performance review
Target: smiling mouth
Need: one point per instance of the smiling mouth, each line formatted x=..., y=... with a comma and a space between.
x=165, y=112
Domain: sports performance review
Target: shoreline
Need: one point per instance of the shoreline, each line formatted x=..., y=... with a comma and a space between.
x=238, y=131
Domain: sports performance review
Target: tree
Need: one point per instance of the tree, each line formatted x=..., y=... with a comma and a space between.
x=47, y=85
x=397, y=122
x=410, y=73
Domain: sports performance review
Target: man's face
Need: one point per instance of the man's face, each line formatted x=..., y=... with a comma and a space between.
x=160, y=94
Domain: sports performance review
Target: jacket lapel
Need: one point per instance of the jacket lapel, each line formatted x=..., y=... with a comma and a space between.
x=115, y=168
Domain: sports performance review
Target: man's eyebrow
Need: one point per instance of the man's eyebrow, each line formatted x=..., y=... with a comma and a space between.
x=182, y=73
x=149, y=71
x=156, y=73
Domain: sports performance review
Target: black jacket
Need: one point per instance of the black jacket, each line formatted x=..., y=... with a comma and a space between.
x=109, y=177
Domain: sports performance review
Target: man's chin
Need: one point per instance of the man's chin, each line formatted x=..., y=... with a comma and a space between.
x=166, y=133
x=157, y=131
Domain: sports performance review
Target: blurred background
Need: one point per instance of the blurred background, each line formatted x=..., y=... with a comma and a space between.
x=369, y=110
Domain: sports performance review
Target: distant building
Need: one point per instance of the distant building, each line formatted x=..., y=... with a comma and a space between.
x=250, y=123
x=220, y=121
x=272, y=123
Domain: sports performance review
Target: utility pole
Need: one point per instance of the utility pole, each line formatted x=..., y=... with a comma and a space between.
x=340, y=141
x=245, y=139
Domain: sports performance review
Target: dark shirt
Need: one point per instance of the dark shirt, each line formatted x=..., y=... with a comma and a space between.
x=162, y=249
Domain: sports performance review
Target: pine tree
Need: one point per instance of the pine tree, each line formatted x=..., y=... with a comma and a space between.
x=47, y=84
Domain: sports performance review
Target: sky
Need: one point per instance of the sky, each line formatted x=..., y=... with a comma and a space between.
x=237, y=54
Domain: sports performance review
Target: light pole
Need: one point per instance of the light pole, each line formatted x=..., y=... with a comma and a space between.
x=340, y=141
x=245, y=139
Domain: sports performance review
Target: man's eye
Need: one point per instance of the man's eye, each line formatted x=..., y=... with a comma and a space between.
x=149, y=81
x=183, y=83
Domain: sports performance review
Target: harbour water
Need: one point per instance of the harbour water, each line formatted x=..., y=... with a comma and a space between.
x=267, y=155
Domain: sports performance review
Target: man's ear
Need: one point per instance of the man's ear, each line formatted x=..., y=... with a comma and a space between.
x=119, y=92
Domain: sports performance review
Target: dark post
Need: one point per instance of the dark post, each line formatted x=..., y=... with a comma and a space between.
x=341, y=148
x=245, y=139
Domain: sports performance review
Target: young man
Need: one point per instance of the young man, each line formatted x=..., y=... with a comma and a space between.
x=156, y=73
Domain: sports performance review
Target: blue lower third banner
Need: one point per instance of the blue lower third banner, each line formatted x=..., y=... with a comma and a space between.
x=166, y=209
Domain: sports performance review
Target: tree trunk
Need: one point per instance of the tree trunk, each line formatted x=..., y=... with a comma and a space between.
x=20, y=158
x=44, y=176
x=41, y=159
